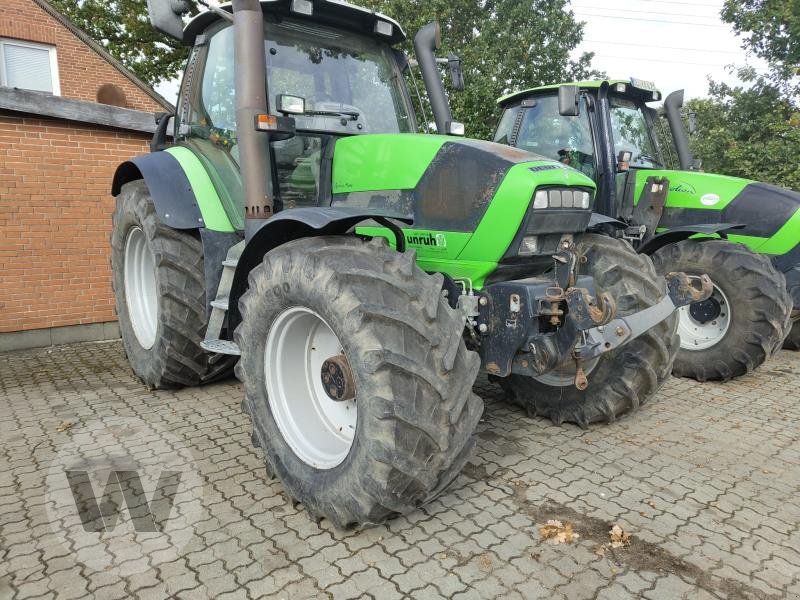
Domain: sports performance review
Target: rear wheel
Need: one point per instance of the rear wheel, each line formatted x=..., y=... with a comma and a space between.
x=159, y=284
x=743, y=322
x=356, y=378
x=620, y=380
x=792, y=341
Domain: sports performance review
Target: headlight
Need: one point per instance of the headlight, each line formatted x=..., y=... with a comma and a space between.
x=562, y=198
x=529, y=245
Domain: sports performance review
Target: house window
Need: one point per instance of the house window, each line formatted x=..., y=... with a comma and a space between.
x=29, y=66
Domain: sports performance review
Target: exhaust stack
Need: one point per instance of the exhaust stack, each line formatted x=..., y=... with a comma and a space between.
x=672, y=107
x=251, y=100
x=426, y=42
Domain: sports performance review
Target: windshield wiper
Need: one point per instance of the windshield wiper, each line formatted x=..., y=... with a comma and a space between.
x=334, y=113
x=649, y=159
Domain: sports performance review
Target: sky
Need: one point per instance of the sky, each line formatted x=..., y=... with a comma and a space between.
x=677, y=44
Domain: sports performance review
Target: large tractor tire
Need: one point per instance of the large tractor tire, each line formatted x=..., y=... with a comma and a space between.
x=620, y=380
x=744, y=321
x=158, y=280
x=792, y=341
x=356, y=378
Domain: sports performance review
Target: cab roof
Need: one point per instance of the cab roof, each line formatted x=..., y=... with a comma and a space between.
x=636, y=86
x=336, y=13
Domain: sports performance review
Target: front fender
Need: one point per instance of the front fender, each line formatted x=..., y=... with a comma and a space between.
x=677, y=234
x=289, y=225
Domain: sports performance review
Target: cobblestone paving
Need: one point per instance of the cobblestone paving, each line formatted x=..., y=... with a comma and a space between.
x=706, y=479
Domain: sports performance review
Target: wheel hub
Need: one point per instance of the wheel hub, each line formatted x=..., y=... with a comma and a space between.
x=702, y=325
x=337, y=379
x=141, y=290
x=706, y=310
x=310, y=387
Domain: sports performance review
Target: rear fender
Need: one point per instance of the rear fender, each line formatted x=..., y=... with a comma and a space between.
x=182, y=191
x=678, y=234
x=294, y=224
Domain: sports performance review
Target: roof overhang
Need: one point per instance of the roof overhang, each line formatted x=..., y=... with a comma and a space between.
x=335, y=13
x=635, y=87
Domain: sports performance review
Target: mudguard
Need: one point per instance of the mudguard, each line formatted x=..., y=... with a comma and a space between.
x=182, y=191
x=176, y=205
x=677, y=234
x=289, y=225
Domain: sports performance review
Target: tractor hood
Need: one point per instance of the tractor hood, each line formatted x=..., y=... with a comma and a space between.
x=768, y=213
x=467, y=198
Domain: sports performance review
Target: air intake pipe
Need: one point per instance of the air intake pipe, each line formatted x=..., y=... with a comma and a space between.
x=672, y=107
x=426, y=42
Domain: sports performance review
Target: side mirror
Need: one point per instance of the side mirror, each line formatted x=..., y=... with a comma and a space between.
x=165, y=16
x=692, y=118
x=568, y=100
x=456, y=75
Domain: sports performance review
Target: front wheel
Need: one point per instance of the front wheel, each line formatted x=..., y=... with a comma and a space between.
x=356, y=378
x=743, y=322
x=619, y=380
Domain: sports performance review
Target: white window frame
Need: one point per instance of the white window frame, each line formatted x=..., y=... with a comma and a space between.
x=53, y=61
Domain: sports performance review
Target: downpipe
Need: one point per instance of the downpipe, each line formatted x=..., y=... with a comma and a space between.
x=426, y=42
x=251, y=100
x=672, y=108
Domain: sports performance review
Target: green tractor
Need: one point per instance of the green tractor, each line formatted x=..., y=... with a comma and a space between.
x=745, y=234
x=359, y=274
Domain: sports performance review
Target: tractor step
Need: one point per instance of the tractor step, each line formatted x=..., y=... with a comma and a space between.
x=221, y=347
x=221, y=303
x=219, y=307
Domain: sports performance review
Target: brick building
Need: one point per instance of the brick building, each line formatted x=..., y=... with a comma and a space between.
x=69, y=114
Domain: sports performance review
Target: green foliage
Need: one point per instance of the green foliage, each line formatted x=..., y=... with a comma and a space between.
x=123, y=28
x=753, y=131
x=504, y=45
x=749, y=132
x=771, y=29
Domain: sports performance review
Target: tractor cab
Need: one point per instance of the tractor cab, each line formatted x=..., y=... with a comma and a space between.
x=605, y=129
x=331, y=69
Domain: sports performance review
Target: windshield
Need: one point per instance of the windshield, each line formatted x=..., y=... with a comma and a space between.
x=632, y=133
x=536, y=126
x=350, y=84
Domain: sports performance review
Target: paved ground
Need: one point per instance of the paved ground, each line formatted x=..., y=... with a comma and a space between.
x=706, y=479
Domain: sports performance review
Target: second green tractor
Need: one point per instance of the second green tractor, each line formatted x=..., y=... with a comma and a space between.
x=744, y=234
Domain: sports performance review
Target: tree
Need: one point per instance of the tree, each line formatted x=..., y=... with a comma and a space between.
x=123, y=28
x=771, y=30
x=749, y=132
x=504, y=44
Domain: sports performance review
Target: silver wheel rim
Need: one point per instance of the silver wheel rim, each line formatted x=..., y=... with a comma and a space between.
x=319, y=430
x=564, y=375
x=141, y=297
x=701, y=336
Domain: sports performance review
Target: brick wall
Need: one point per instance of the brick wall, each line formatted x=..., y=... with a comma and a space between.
x=81, y=69
x=55, y=220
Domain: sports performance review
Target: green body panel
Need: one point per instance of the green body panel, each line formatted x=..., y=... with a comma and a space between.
x=383, y=161
x=713, y=193
x=784, y=240
x=687, y=189
x=501, y=221
x=461, y=255
x=214, y=216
